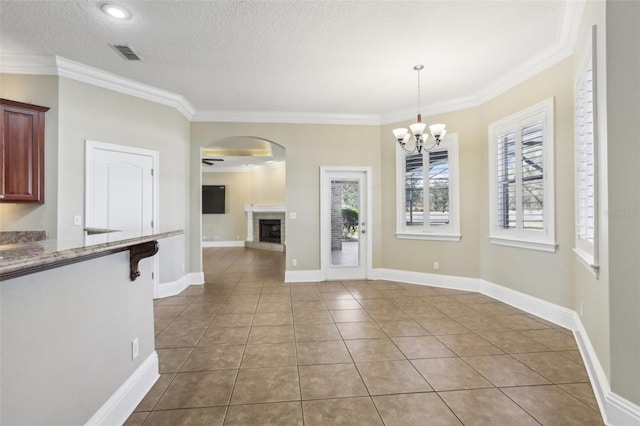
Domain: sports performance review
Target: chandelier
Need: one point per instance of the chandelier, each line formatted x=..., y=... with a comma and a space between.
x=416, y=130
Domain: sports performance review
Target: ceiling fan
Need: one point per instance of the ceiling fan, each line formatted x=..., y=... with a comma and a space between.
x=211, y=161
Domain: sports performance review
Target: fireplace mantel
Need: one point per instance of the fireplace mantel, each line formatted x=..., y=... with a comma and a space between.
x=265, y=209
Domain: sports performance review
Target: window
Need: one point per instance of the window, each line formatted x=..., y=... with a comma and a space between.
x=586, y=161
x=521, y=179
x=428, y=206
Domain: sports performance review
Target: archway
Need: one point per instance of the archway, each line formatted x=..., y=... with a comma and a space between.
x=243, y=181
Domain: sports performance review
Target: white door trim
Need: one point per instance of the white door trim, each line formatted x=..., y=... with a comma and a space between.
x=91, y=148
x=325, y=225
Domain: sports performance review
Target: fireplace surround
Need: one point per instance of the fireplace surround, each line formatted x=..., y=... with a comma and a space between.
x=265, y=213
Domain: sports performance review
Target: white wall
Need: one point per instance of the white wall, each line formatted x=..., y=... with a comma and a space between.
x=268, y=186
x=91, y=113
x=623, y=112
x=66, y=339
x=232, y=225
x=591, y=292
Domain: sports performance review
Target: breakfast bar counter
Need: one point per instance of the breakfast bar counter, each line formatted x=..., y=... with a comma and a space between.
x=26, y=258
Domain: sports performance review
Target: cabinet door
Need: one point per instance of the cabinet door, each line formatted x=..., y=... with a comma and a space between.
x=22, y=152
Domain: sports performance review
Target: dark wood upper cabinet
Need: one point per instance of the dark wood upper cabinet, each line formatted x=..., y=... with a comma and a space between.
x=21, y=152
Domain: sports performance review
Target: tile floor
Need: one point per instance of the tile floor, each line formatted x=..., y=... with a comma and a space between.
x=248, y=349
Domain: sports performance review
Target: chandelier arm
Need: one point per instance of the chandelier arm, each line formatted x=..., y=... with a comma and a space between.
x=408, y=151
x=432, y=146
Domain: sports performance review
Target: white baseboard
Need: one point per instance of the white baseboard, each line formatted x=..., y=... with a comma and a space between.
x=126, y=398
x=307, y=276
x=422, y=278
x=223, y=243
x=615, y=409
x=195, y=278
x=549, y=311
x=175, y=287
x=171, y=288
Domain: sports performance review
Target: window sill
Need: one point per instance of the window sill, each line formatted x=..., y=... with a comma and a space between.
x=524, y=244
x=427, y=236
x=587, y=260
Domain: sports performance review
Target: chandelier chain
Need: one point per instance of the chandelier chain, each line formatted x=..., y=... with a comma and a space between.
x=419, y=92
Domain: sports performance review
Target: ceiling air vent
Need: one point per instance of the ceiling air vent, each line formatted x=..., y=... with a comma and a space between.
x=126, y=52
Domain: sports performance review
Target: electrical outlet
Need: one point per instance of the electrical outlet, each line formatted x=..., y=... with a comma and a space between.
x=135, y=348
x=436, y=266
x=294, y=262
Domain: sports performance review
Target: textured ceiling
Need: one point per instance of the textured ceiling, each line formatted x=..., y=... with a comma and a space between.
x=333, y=57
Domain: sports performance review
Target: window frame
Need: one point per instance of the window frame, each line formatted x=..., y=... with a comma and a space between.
x=426, y=232
x=532, y=239
x=587, y=252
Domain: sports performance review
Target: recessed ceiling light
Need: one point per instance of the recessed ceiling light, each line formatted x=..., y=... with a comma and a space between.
x=114, y=11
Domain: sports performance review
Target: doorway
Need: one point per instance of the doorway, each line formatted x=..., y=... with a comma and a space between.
x=345, y=217
x=121, y=191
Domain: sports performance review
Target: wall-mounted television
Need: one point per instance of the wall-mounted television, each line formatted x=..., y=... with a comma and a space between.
x=213, y=199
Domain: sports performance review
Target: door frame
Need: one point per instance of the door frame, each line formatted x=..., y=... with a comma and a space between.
x=325, y=219
x=90, y=150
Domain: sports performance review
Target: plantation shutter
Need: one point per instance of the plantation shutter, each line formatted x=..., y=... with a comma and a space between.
x=585, y=159
x=532, y=177
x=506, y=190
x=414, y=190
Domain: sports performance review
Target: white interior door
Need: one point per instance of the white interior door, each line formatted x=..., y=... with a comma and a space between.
x=346, y=239
x=120, y=190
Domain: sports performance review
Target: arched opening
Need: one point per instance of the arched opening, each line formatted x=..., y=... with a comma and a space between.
x=243, y=194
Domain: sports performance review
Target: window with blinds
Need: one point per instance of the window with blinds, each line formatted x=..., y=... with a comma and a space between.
x=586, y=170
x=585, y=160
x=521, y=173
x=506, y=159
x=439, y=189
x=414, y=190
x=427, y=193
x=532, y=177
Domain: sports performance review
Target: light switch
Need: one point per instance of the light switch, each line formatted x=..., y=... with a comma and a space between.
x=293, y=215
x=77, y=220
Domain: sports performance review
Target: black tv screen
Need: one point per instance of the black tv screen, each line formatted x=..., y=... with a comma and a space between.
x=212, y=199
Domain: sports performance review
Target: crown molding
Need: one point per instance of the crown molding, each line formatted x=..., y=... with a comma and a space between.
x=62, y=67
x=56, y=65
x=96, y=77
x=28, y=64
x=286, y=117
x=561, y=49
x=433, y=109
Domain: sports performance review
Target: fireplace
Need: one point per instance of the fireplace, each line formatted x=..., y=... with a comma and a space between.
x=269, y=230
x=266, y=227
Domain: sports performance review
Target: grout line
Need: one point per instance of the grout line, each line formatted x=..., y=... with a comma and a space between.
x=387, y=291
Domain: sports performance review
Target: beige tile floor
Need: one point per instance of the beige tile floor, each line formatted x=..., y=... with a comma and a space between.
x=248, y=349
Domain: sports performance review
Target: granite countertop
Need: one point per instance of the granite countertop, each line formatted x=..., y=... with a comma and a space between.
x=19, y=257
